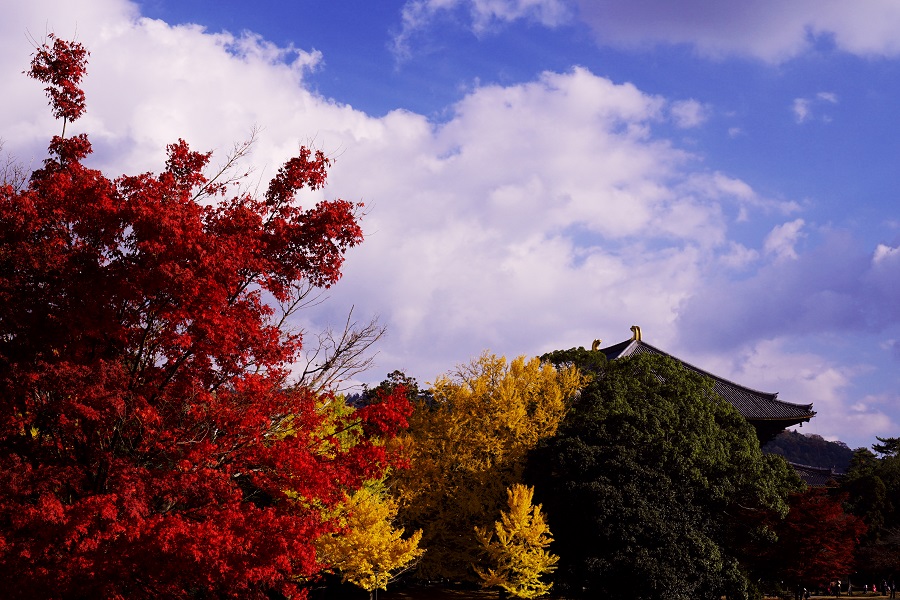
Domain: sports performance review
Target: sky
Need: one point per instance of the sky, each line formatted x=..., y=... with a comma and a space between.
x=538, y=174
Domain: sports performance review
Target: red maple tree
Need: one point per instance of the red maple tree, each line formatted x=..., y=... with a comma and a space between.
x=816, y=541
x=151, y=443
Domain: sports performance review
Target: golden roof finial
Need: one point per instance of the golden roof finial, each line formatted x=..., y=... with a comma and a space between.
x=637, y=333
x=596, y=345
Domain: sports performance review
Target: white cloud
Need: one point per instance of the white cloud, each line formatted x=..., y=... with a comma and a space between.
x=801, y=109
x=689, y=113
x=730, y=191
x=884, y=254
x=783, y=238
x=418, y=15
x=738, y=256
x=770, y=30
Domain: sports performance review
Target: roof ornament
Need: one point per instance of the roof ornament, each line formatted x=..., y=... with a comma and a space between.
x=596, y=345
x=637, y=333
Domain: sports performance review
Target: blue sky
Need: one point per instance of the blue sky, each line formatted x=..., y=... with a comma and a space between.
x=541, y=173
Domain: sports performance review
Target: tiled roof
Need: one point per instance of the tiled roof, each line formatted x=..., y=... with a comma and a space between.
x=752, y=404
x=817, y=476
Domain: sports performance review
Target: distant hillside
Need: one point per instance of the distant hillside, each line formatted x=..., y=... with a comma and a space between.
x=812, y=450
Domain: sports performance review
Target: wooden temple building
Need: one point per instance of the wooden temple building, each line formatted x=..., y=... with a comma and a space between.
x=768, y=415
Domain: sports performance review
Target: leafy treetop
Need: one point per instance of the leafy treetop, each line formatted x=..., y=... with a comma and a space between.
x=61, y=66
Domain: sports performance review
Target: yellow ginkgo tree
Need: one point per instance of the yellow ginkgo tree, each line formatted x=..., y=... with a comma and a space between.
x=516, y=547
x=369, y=551
x=467, y=444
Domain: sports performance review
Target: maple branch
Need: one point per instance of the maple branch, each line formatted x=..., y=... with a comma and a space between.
x=225, y=172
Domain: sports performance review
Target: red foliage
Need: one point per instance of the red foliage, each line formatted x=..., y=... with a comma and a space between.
x=150, y=445
x=816, y=541
x=61, y=66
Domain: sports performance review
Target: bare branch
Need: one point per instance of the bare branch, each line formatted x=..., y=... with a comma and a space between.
x=12, y=172
x=336, y=356
x=227, y=174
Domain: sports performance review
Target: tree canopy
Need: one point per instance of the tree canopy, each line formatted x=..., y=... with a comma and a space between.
x=816, y=541
x=653, y=485
x=467, y=443
x=152, y=443
x=873, y=489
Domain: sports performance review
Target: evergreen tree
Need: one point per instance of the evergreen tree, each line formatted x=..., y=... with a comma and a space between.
x=654, y=486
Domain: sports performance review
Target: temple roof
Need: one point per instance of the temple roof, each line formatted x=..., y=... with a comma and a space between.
x=817, y=476
x=754, y=405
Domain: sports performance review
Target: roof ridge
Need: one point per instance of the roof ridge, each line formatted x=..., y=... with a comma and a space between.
x=774, y=395
x=753, y=404
x=831, y=469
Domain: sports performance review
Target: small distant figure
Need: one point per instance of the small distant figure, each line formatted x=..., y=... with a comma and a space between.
x=893, y=589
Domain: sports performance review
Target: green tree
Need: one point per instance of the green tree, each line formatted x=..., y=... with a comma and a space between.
x=888, y=446
x=467, y=443
x=516, y=547
x=653, y=485
x=873, y=488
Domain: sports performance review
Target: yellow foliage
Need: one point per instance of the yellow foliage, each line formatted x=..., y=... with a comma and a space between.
x=516, y=547
x=469, y=445
x=369, y=551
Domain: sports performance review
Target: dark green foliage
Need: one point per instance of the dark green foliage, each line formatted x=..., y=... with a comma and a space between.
x=888, y=446
x=873, y=488
x=812, y=450
x=654, y=485
x=587, y=361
